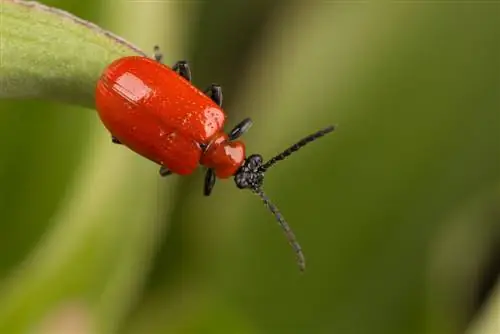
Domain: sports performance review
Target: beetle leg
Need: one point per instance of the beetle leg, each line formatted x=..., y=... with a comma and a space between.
x=164, y=171
x=215, y=93
x=209, y=182
x=115, y=140
x=182, y=68
x=240, y=129
x=157, y=55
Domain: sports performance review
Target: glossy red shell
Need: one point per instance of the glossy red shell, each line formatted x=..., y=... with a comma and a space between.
x=223, y=156
x=156, y=113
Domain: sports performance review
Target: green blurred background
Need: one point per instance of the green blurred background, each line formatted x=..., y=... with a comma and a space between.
x=397, y=212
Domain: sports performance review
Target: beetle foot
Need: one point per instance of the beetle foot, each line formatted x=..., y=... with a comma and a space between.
x=215, y=93
x=157, y=55
x=164, y=171
x=182, y=68
x=115, y=140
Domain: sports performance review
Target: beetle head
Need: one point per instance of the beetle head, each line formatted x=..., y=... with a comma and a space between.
x=249, y=174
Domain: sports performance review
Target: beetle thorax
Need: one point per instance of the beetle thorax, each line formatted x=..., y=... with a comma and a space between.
x=224, y=156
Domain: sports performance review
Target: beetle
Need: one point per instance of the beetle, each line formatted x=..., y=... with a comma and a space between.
x=156, y=112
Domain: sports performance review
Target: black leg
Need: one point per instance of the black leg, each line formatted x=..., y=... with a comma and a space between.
x=240, y=129
x=209, y=182
x=157, y=55
x=164, y=171
x=115, y=140
x=215, y=93
x=181, y=67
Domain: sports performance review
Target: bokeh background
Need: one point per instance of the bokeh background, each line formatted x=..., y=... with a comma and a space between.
x=398, y=211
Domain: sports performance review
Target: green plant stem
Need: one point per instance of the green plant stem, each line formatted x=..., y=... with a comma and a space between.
x=50, y=54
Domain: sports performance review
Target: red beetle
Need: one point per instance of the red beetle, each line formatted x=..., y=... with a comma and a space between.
x=156, y=112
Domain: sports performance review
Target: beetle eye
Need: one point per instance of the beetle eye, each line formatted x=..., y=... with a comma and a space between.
x=254, y=161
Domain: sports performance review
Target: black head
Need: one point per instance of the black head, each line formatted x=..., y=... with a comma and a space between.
x=251, y=176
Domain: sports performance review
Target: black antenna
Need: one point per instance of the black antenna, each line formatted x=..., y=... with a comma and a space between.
x=295, y=147
x=251, y=176
x=301, y=261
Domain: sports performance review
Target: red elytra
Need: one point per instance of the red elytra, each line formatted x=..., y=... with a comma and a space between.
x=156, y=112
x=161, y=116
